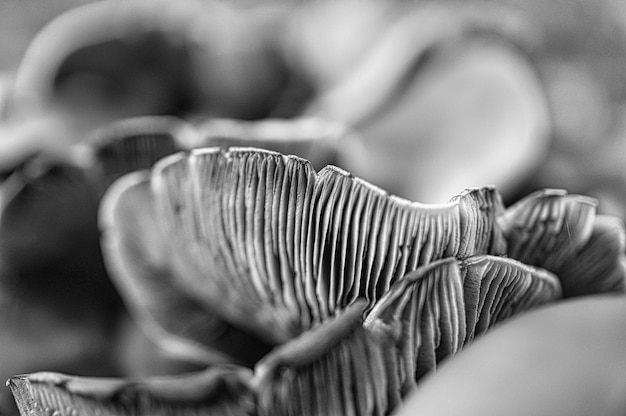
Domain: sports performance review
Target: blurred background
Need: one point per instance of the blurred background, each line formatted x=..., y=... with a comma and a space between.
x=440, y=96
x=20, y=21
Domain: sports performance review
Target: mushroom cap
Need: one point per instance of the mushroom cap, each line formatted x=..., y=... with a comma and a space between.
x=110, y=60
x=226, y=253
x=276, y=248
x=217, y=391
x=319, y=141
x=337, y=367
x=561, y=232
x=137, y=254
x=49, y=237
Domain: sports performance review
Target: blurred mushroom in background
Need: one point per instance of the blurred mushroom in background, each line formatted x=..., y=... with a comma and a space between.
x=445, y=95
x=564, y=359
x=539, y=84
x=304, y=278
x=516, y=93
x=109, y=60
x=58, y=307
x=581, y=61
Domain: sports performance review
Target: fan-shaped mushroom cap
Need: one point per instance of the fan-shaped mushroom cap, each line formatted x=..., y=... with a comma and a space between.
x=218, y=391
x=137, y=255
x=424, y=313
x=276, y=248
x=561, y=233
x=319, y=141
x=599, y=266
x=136, y=143
x=48, y=234
x=335, y=368
x=431, y=313
x=241, y=249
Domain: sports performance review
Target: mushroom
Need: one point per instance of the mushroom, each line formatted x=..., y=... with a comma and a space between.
x=320, y=141
x=316, y=271
x=562, y=233
x=433, y=312
x=104, y=61
x=335, y=368
x=217, y=391
x=276, y=248
x=445, y=95
x=48, y=233
x=568, y=358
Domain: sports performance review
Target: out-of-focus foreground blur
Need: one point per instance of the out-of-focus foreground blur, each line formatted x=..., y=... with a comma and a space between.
x=428, y=98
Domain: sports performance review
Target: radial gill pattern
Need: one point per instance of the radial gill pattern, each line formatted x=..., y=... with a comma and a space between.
x=599, y=266
x=221, y=391
x=496, y=288
x=136, y=143
x=137, y=254
x=340, y=296
x=318, y=373
x=561, y=233
x=284, y=248
x=434, y=311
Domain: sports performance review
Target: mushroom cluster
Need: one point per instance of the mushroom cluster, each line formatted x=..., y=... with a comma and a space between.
x=224, y=197
x=311, y=292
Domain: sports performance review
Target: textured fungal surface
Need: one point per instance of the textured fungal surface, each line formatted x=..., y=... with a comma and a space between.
x=433, y=312
x=562, y=233
x=223, y=391
x=425, y=314
x=563, y=359
x=497, y=288
x=136, y=143
x=281, y=247
x=250, y=214
x=334, y=296
x=599, y=266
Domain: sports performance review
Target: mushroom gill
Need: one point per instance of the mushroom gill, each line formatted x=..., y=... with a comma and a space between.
x=137, y=255
x=561, y=232
x=433, y=312
x=217, y=391
x=324, y=277
x=276, y=248
x=135, y=143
